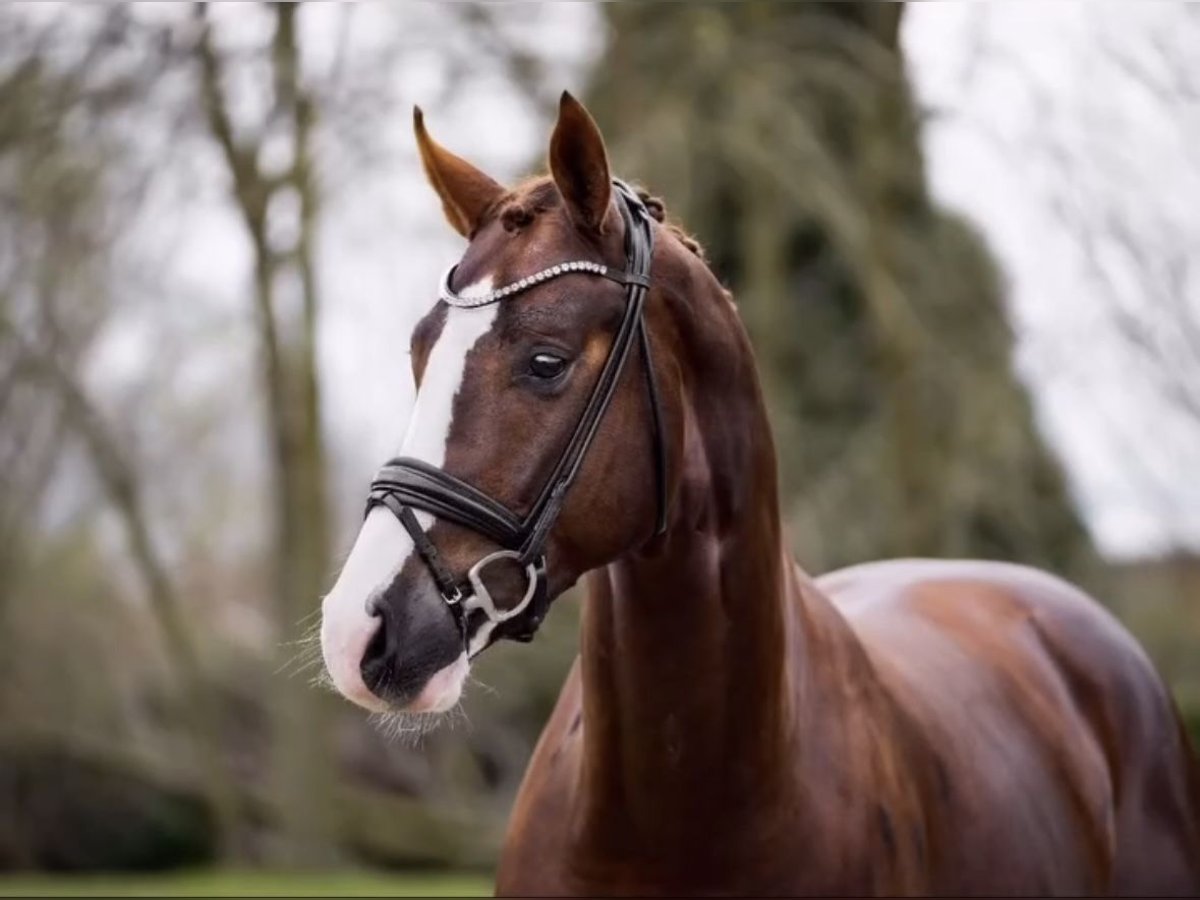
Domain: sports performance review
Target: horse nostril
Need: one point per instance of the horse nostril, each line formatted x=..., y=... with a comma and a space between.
x=416, y=638
x=379, y=657
x=376, y=648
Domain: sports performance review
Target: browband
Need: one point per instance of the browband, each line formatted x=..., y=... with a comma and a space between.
x=447, y=294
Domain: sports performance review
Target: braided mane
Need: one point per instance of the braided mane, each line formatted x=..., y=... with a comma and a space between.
x=658, y=210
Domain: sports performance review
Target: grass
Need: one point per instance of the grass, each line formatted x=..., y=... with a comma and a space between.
x=233, y=883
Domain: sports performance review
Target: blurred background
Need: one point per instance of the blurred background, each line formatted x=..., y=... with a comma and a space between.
x=961, y=236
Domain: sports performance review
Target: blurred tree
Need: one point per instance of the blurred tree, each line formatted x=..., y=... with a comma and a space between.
x=60, y=196
x=786, y=136
x=235, y=108
x=265, y=194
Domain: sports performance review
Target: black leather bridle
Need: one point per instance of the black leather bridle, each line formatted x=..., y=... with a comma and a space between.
x=405, y=484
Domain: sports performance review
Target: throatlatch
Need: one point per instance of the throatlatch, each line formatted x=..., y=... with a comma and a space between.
x=405, y=484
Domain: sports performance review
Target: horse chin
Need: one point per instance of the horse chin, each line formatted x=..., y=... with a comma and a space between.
x=443, y=689
x=438, y=702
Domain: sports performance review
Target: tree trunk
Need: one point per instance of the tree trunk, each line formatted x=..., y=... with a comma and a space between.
x=199, y=701
x=288, y=367
x=785, y=136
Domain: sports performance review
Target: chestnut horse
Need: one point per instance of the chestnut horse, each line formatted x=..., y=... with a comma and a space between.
x=732, y=725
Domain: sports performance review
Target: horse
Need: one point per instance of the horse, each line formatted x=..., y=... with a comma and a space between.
x=588, y=407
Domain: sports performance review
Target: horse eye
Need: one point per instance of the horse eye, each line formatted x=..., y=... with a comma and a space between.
x=546, y=365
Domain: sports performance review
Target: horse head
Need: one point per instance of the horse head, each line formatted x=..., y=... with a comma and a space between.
x=547, y=433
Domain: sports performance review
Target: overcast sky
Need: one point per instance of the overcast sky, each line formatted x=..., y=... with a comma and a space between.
x=1026, y=95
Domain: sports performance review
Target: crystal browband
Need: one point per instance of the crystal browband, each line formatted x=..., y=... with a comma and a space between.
x=447, y=294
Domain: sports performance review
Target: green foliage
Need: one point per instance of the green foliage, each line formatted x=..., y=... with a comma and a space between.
x=73, y=812
x=234, y=883
x=1191, y=723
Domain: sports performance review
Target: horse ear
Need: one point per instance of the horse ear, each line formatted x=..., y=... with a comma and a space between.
x=579, y=164
x=466, y=192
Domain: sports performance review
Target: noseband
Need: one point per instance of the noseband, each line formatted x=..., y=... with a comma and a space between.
x=405, y=484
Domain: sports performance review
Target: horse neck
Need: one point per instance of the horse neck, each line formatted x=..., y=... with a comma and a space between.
x=691, y=646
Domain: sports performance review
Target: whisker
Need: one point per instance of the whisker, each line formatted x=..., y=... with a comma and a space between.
x=457, y=714
x=323, y=681
x=308, y=617
x=307, y=656
x=483, y=686
x=409, y=729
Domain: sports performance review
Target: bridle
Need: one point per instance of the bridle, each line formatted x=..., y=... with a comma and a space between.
x=405, y=484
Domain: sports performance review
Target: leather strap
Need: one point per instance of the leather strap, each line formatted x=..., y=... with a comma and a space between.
x=660, y=447
x=427, y=549
x=416, y=483
x=405, y=483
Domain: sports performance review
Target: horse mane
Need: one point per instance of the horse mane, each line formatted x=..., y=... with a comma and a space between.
x=658, y=209
x=518, y=208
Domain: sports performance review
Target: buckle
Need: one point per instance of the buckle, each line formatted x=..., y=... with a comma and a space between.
x=481, y=599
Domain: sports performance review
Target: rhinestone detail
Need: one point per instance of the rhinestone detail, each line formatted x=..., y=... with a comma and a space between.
x=524, y=284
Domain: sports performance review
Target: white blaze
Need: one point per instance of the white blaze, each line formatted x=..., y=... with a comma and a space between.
x=383, y=546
